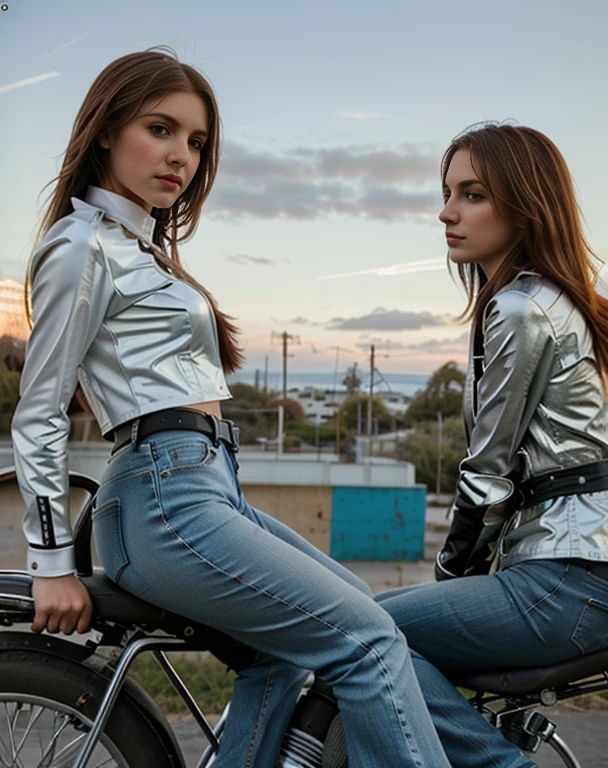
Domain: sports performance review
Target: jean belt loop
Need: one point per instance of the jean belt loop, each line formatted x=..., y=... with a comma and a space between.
x=135, y=435
x=215, y=426
x=235, y=435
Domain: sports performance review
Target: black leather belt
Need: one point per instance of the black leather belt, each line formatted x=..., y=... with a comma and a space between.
x=176, y=418
x=598, y=568
x=587, y=478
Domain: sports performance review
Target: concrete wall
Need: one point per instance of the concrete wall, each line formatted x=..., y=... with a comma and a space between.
x=306, y=509
x=351, y=511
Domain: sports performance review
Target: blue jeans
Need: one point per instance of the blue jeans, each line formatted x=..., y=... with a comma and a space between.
x=533, y=614
x=172, y=527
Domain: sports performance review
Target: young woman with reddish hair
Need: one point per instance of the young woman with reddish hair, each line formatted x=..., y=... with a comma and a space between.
x=114, y=309
x=524, y=570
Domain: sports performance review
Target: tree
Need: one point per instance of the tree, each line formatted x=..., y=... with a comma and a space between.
x=12, y=352
x=9, y=395
x=246, y=396
x=250, y=409
x=351, y=380
x=442, y=394
x=421, y=448
x=349, y=412
x=292, y=409
x=12, y=355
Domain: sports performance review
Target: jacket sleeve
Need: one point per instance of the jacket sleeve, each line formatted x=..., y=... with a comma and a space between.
x=519, y=346
x=70, y=295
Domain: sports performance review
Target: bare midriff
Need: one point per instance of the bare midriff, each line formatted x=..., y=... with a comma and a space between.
x=212, y=407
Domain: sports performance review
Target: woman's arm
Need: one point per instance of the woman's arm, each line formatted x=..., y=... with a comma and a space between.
x=518, y=348
x=70, y=295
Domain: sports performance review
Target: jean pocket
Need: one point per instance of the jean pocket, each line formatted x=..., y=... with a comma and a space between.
x=107, y=529
x=591, y=631
x=187, y=456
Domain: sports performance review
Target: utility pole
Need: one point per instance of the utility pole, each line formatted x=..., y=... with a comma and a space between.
x=372, y=371
x=280, y=430
x=372, y=367
x=285, y=339
x=439, y=451
x=266, y=374
x=338, y=432
x=336, y=369
x=284, y=364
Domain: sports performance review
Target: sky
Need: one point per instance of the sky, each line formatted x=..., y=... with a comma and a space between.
x=323, y=219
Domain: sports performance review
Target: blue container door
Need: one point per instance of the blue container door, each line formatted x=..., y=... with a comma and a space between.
x=378, y=523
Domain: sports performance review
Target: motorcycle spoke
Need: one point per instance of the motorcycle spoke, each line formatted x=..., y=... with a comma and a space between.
x=34, y=727
x=34, y=713
x=11, y=721
x=67, y=754
x=48, y=756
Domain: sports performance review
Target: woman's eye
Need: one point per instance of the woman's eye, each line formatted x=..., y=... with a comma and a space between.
x=159, y=130
x=197, y=144
x=474, y=196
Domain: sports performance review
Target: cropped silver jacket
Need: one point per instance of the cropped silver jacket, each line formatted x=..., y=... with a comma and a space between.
x=540, y=407
x=106, y=315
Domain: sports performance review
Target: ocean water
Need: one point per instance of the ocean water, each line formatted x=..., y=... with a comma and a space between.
x=401, y=383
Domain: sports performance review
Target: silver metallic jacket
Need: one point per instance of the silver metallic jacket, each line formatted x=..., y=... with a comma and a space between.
x=541, y=407
x=107, y=315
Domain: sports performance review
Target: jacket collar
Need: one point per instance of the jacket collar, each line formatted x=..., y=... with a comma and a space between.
x=132, y=216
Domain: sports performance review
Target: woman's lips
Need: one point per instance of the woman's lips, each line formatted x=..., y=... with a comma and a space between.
x=168, y=183
x=454, y=240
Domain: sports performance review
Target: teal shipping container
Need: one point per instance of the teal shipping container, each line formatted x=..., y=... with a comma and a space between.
x=378, y=523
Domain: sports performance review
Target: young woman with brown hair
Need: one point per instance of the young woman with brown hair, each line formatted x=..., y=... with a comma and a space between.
x=114, y=309
x=524, y=569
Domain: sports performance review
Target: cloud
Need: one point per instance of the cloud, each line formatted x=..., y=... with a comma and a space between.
x=457, y=346
x=65, y=45
x=245, y=258
x=387, y=320
x=387, y=345
x=402, y=164
x=405, y=268
x=358, y=115
x=303, y=183
x=299, y=321
x=28, y=81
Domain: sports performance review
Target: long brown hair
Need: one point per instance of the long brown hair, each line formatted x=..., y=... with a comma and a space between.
x=530, y=187
x=114, y=99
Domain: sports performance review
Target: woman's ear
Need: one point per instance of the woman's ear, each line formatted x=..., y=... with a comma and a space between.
x=104, y=141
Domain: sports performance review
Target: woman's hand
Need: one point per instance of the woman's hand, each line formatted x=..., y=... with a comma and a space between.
x=62, y=604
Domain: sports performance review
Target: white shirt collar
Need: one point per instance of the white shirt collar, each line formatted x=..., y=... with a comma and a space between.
x=132, y=216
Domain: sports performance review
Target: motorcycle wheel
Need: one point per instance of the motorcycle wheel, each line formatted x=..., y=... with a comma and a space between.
x=47, y=706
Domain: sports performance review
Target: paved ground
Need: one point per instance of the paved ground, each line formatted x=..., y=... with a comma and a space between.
x=585, y=732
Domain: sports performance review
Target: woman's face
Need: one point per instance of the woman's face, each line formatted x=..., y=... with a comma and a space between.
x=474, y=232
x=153, y=158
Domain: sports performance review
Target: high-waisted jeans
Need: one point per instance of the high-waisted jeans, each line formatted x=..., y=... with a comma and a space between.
x=533, y=614
x=172, y=527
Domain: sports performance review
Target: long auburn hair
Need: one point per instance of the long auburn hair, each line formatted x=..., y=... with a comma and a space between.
x=115, y=98
x=530, y=187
